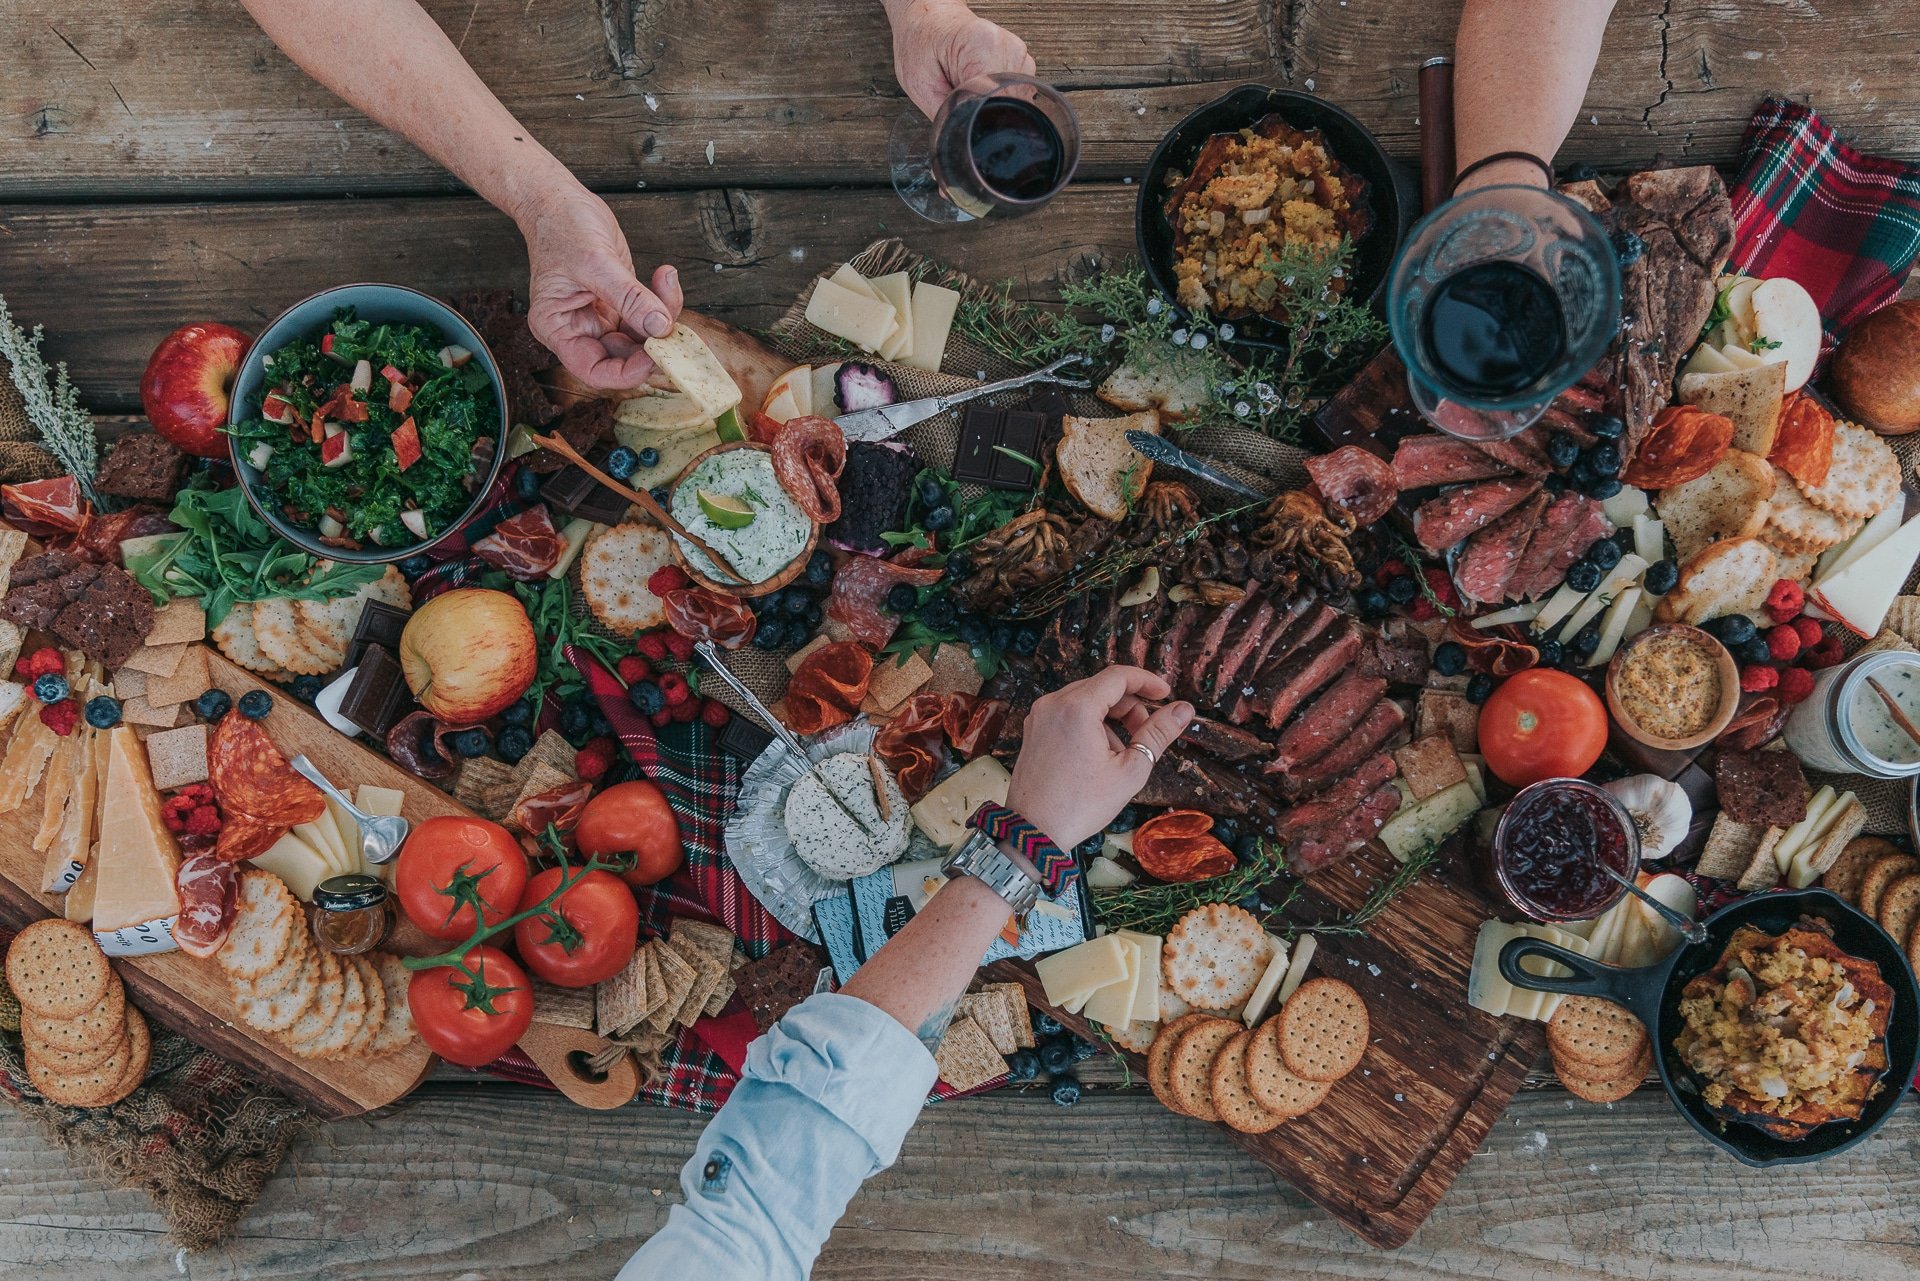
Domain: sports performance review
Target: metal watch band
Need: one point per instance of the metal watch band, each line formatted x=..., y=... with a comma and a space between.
x=979, y=856
x=1057, y=868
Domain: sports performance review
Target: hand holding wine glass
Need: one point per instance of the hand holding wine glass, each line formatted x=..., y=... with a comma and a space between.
x=938, y=45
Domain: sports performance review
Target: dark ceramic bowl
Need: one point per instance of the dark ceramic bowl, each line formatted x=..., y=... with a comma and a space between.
x=1391, y=196
x=313, y=315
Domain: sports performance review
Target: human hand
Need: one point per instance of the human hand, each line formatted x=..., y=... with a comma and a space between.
x=1074, y=773
x=940, y=44
x=584, y=302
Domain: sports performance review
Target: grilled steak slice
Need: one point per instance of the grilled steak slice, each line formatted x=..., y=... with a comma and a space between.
x=1555, y=527
x=1376, y=771
x=1246, y=638
x=1224, y=742
x=1146, y=625
x=1375, y=730
x=1184, y=781
x=1318, y=849
x=1166, y=661
x=1324, y=721
x=1487, y=562
x=1397, y=653
x=1302, y=630
x=1592, y=527
x=1203, y=652
x=1442, y=521
x=1525, y=453
x=1063, y=646
x=1301, y=676
x=1420, y=462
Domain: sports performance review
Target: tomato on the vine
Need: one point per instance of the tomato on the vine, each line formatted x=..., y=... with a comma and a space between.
x=593, y=939
x=448, y=858
x=1542, y=723
x=471, y=1022
x=632, y=817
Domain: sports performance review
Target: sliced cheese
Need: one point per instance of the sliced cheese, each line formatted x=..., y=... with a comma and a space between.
x=1604, y=940
x=1303, y=949
x=676, y=450
x=1613, y=627
x=67, y=858
x=1859, y=596
x=693, y=369
x=348, y=830
x=666, y=411
x=933, y=311
x=943, y=813
x=1624, y=506
x=783, y=407
x=1525, y=612
x=1487, y=991
x=1649, y=538
x=1558, y=606
x=864, y=321
x=1797, y=836
x=1112, y=1005
x=138, y=858
x=1534, y=1003
x=1677, y=894
x=573, y=536
x=1618, y=579
x=826, y=401
x=381, y=802
x=298, y=863
x=896, y=289
x=1269, y=985
x=847, y=278
x=1070, y=978
x=1876, y=531
x=1146, y=989
x=1105, y=874
x=78, y=905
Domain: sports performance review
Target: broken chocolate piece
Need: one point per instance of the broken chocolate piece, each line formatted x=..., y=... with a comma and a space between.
x=380, y=624
x=744, y=738
x=379, y=694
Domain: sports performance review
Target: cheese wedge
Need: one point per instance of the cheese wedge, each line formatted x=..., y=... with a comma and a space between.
x=1487, y=991
x=138, y=858
x=381, y=802
x=825, y=402
x=1074, y=975
x=573, y=536
x=897, y=291
x=68, y=855
x=1112, y=1005
x=694, y=370
x=866, y=322
x=1269, y=985
x=1303, y=949
x=797, y=383
x=78, y=905
x=1876, y=531
x=1798, y=835
x=297, y=863
x=1859, y=596
x=933, y=311
x=943, y=813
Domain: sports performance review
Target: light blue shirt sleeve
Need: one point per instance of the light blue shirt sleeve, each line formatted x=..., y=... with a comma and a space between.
x=826, y=1099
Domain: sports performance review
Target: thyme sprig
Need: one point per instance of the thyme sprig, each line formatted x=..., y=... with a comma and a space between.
x=52, y=402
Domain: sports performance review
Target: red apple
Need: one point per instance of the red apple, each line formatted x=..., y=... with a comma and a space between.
x=469, y=653
x=188, y=382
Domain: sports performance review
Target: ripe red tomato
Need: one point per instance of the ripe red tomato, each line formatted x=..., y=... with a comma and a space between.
x=444, y=850
x=468, y=1026
x=601, y=931
x=1542, y=724
x=633, y=816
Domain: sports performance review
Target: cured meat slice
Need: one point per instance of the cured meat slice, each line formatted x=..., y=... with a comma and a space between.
x=1441, y=522
x=209, y=893
x=1324, y=721
x=1592, y=526
x=808, y=456
x=558, y=807
x=249, y=776
x=1300, y=676
x=859, y=594
x=1375, y=730
x=1377, y=771
x=44, y=506
x=828, y=687
x=1355, y=481
x=703, y=614
x=1487, y=563
x=913, y=743
x=1316, y=850
x=1420, y=462
x=525, y=546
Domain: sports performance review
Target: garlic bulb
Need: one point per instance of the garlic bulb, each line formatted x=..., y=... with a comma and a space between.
x=1660, y=811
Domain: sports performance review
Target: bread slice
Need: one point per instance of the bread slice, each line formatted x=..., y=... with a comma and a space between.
x=1174, y=395
x=1729, y=501
x=1099, y=467
x=1731, y=576
x=1750, y=397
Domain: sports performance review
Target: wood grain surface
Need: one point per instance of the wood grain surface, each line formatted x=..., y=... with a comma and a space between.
x=191, y=996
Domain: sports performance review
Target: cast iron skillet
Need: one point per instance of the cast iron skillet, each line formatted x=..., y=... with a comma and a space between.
x=1653, y=994
x=1390, y=193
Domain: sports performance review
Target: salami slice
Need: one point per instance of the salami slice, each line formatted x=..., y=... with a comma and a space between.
x=526, y=546
x=209, y=890
x=250, y=777
x=242, y=836
x=828, y=687
x=702, y=614
x=859, y=595
x=1356, y=482
x=808, y=456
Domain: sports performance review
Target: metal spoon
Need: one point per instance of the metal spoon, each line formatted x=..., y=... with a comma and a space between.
x=380, y=836
x=1692, y=930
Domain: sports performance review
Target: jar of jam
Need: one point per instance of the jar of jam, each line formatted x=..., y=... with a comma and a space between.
x=1844, y=726
x=355, y=914
x=1547, y=850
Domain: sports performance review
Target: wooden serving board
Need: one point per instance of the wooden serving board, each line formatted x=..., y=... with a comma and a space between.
x=1391, y=1138
x=190, y=995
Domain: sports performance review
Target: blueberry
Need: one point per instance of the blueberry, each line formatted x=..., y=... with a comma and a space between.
x=1226, y=831
x=1752, y=651
x=1401, y=589
x=1562, y=449
x=1000, y=636
x=1091, y=846
x=255, y=704
x=971, y=629
x=1026, y=640
x=103, y=711
x=1083, y=1049
x=794, y=603
x=1479, y=687
x=1605, y=553
x=1582, y=476
x=939, y=614
x=1627, y=247
x=1550, y=653
x=1056, y=1054
x=1579, y=171
x=1584, y=576
x=575, y=721
x=771, y=634
x=1046, y=1025
x=1661, y=577
x=646, y=697
x=1586, y=641
x=1371, y=603
x=930, y=492
x=1604, y=458
x=51, y=688
x=1450, y=658
x=820, y=570
x=648, y=457
x=814, y=614
x=902, y=597
x=601, y=726
x=1604, y=488
x=469, y=742
x=1066, y=1091
x=1126, y=820
x=661, y=494
x=621, y=463
x=1246, y=850
x=958, y=566
x=1023, y=1065
x=213, y=704
x=526, y=485
x=1734, y=629
x=1608, y=427
x=518, y=713
x=306, y=688
x=414, y=566
x=937, y=519
x=1555, y=483
x=514, y=742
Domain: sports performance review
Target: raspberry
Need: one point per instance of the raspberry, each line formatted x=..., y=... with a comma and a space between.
x=197, y=793
x=653, y=645
x=594, y=760
x=681, y=647
x=633, y=668
x=60, y=717
x=1811, y=633
x=204, y=820
x=1785, y=601
x=673, y=687
x=1390, y=570
x=1759, y=678
x=1442, y=587
x=667, y=578
x=662, y=718
x=45, y=661
x=715, y=713
x=1422, y=610
x=1795, y=684
x=685, y=712
x=1783, y=642
x=175, y=820
x=1826, y=654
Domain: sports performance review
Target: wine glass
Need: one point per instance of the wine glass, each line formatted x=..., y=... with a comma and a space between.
x=1500, y=300
x=1000, y=144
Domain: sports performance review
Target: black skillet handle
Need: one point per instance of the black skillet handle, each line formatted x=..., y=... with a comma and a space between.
x=1637, y=989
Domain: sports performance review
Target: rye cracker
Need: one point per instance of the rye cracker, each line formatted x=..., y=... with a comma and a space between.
x=1160, y=1056
x=1730, y=847
x=179, y=620
x=266, y=920
x=1594, y=1035
x=966, y=1057
x=677, y=977
x=480, y=777
x=1214, y=955
x=178, y=757
x=1273, y=1085
x=620, y=1002
x=1844, y=877
x=990, y=1012
x=1900, y=906
x=1610, y=1087
x=91, y=1027
x=1232, y=1096
x=138, y=711
x=1323, y=1030
x=157, y=660
x=186, y=682
x=1881, y=873
x=56, y=969
x=1190, y=1070
x=1862, y=479
x=396, y=1030
x=1014, y=997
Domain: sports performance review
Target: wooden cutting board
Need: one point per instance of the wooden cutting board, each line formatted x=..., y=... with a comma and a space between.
x=1391, y=1138
x=190, y=995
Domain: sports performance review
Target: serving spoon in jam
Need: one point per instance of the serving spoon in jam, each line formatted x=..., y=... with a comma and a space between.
x=1692, y=930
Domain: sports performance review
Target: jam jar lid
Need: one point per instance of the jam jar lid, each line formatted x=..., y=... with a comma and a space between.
x=349, y=893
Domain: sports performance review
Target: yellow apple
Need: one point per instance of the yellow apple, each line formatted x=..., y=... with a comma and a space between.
x=468, y=653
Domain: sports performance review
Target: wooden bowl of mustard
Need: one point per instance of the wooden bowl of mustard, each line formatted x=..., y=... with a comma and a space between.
x=1672, y=687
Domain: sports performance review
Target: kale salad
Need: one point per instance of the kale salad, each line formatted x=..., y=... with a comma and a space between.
x=372, y=434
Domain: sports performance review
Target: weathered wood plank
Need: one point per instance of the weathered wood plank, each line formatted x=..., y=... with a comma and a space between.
x=109, y=282
x=502, y=1182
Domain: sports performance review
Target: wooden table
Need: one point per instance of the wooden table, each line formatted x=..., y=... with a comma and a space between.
x=163, y=163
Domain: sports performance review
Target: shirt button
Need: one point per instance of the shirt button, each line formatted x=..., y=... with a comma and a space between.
x=713, y=1176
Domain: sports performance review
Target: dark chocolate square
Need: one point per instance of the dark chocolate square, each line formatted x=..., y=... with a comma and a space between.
x=980, y=431
x=1020, y=434
x=378, y=695
x=575, y=494
x=380, y=624
x=744, y=738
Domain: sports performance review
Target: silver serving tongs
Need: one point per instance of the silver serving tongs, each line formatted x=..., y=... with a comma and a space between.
x=884, y=421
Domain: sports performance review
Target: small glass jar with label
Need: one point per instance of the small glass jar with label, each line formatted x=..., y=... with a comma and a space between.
x=355, y=914
x=1845, y=725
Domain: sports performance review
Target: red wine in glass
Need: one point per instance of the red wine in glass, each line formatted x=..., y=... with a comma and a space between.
x=1002, y=144
x=1493, y=329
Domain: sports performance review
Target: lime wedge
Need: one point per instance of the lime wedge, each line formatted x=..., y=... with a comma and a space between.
x=725, y=510
x=729, y=426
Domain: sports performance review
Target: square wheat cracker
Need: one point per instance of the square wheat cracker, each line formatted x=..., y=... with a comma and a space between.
x=677, y=977
x=620, y=1003
x=157, y=660
x=1018, y=1015
x=177, y=757
x=564, y=1006
x=188, y=680
x=179, y=620
x=990, y=1012
x=138, y=711
x=966, y=1057
x=478, y=776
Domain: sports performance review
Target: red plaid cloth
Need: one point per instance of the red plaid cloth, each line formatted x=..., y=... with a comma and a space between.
x=1809, y=207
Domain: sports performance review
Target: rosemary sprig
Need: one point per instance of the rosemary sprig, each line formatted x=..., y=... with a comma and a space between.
x=52, y=402
x=1154, y=908
x=1380, y=897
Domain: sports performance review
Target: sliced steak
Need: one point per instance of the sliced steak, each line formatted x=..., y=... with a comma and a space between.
x=1397, y=653
x=1301, y=676
x=1224, y=742
x=1323, y=722
x=1487, y=562
x=1240, y=646
x=1145, y=627
x=1557, y=419
x=1524, y=453
x=1374, y=732
x=1302, y=631
x=1592, y=527
x=1555, y=527
x=1421, y=462
x=1441, y=522
x=1166, y=661
x=1204, y=651
x=1377, y=771
x=1318, y=849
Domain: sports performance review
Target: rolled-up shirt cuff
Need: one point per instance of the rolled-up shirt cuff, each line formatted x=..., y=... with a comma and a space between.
x=856, y=1061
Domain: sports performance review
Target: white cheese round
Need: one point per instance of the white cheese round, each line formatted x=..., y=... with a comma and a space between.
x=830, y=842
x=762, y=547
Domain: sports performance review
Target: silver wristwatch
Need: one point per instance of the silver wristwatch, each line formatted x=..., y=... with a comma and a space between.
x=979, y=856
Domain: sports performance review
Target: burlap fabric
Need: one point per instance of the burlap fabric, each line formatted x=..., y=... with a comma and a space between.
x=22, y=457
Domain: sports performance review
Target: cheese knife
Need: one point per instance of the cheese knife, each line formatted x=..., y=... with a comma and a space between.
x=1162, y=452
x=884, y=421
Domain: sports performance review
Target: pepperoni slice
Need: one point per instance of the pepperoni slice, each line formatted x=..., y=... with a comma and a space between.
x=526, y=546
x=702, y=614
x=250, y=777
x=209, y=888
x=1357, y=482
x=808, y=456
x=859, y=595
